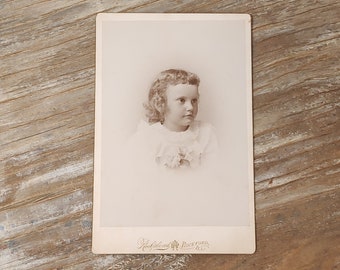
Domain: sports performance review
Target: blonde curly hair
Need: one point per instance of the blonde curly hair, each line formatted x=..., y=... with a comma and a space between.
x=156, y=105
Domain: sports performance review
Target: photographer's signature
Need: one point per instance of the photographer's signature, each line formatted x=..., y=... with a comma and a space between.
x=174, y=245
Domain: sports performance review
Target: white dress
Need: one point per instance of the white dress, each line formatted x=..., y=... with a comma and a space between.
x=169, y=178
x=155, y=145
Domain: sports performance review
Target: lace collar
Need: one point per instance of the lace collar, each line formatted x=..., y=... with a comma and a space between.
x=190, y=134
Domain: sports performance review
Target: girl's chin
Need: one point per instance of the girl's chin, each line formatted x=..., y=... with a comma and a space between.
x=183, y=127
x=186, y=124
x=188, y=120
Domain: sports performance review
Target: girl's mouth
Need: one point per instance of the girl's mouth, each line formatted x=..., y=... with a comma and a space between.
x=189, y=117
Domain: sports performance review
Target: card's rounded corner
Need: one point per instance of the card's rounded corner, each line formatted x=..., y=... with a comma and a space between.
x=100, y=16
x=252, y=250
x=95, y=250
x=248, y=17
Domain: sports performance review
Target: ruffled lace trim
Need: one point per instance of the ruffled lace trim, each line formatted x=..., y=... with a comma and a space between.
x=174, y=149
x=179, y=149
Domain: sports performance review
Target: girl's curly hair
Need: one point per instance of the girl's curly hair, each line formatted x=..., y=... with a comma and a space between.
x=156, y=105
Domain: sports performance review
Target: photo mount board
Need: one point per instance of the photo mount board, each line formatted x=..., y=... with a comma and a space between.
x=151, y=212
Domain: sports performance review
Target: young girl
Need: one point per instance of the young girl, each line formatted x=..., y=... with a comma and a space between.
x=172, y=138
x=169, y=174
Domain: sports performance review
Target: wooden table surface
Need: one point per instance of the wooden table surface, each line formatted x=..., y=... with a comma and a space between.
x=47, y=63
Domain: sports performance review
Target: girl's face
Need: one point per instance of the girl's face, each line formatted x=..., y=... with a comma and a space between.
x=182, y=106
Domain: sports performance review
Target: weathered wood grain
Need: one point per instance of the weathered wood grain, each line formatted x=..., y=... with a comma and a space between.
x=47, y=63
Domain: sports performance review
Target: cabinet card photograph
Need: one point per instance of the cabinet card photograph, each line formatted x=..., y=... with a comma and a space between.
x=173, y=163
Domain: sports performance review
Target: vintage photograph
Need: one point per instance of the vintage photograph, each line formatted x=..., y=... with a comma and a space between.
x=173, y=168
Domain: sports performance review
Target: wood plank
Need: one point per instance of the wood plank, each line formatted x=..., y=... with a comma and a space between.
x=47, y=72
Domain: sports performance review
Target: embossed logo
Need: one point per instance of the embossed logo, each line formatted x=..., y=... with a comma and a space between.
x=148, y=245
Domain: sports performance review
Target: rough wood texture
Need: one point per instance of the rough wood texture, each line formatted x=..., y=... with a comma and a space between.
x=47, y=129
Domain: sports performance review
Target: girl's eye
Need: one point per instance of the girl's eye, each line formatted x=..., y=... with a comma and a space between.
x=194, y=101
x=182, y=100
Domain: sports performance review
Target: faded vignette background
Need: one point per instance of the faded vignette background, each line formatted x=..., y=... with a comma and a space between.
x=133, y=53
x=47, y=70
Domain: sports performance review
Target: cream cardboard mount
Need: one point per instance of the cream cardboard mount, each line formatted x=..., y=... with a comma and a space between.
x=173, y=166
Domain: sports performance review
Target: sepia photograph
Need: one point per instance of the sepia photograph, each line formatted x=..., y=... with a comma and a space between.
x=173, y=169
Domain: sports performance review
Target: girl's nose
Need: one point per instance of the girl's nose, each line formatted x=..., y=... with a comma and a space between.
x=188, y=106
